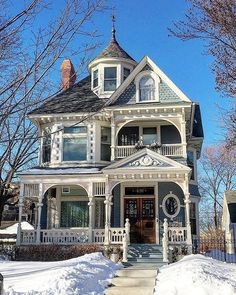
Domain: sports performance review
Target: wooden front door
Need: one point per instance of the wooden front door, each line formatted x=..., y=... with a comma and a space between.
x=141, y=214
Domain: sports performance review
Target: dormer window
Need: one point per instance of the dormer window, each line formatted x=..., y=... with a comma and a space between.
x=126, y=73
x=95, y=78
x=110, y=78
x=146, y=89
x=147, y=86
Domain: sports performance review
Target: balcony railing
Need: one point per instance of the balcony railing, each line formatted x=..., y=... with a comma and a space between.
x=174, y=150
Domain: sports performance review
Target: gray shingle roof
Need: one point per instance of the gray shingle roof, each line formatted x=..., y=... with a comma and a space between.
x=78, y=98
x=114, y=50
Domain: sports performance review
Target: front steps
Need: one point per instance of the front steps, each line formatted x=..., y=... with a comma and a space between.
x=139, y=275
x=146, y=253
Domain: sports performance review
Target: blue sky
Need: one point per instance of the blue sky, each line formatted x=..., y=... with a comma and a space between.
x=142, y=30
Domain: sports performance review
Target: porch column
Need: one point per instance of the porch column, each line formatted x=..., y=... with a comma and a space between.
x=108, y=205
x=91, y=206
x=113, y=141
x=183, y=134
x=39, y=206
x=20, y=205
x=187, y=217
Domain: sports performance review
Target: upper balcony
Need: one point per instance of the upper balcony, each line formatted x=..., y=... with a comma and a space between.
x=159, y=136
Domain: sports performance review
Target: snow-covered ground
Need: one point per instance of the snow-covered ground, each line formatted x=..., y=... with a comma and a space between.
x=88, y=274
x=11, y=230
x=197, y=275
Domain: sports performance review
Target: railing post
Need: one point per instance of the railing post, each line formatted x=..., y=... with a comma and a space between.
x=127, y=230
x=38, y=230
x=108, y=204
x=90, y=232
x=188, y=225
x=125, y=248
x=20, y=205
x=113, y=140
x=165, y=241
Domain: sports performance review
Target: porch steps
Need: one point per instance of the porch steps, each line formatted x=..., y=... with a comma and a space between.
x=145, y=253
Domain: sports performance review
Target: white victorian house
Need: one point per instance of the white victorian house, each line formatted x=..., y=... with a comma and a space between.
x=121, y=144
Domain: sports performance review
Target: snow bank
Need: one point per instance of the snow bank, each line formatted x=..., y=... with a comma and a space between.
x=11, y=230
x=197, y=275
x=88, y=274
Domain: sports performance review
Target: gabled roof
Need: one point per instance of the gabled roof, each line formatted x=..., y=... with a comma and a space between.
x=146, y=159
x=144, y=62
x=78, y=98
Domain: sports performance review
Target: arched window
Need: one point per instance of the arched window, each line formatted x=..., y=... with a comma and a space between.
x=146, y=88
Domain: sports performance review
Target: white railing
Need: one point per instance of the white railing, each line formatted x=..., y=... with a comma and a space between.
x=177, y=235
x=28, y=237
x=175, y=150
x=75, y=236
x=65, y=236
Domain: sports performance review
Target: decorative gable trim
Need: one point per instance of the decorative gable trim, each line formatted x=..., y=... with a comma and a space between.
x=146, y=158
x=144, y=62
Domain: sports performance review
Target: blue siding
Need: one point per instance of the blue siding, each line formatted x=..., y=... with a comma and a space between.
x=44, y=213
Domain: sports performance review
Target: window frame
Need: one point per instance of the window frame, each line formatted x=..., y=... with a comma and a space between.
x=105, y=143
x=156, y=79
x=44, y=145
x=82, y=135
x=93, y=79
x=110, y=79
x=171, y=195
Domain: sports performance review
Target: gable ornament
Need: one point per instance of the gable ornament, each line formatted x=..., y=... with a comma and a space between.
x=145, y=161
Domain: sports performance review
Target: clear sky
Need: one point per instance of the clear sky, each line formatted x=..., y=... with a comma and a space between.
x=142, y=30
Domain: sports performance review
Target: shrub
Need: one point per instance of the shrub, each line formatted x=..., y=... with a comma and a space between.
x=54, y=252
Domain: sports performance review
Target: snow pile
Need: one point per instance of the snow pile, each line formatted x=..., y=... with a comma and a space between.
x=11, y=230
x=197, y=275
x=88, y=274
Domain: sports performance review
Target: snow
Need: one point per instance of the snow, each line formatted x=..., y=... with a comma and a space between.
x=11, y=230
x=85, y=275
x=51, y=171
x=197, y=275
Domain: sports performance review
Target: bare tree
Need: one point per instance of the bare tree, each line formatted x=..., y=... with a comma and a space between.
x=27, y=62
x=217, y=174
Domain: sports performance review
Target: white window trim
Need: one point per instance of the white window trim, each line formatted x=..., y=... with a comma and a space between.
x=95, y=69
x=156, y=79
x=170, y=195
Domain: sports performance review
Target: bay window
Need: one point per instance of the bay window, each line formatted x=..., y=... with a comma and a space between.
x=75, y=143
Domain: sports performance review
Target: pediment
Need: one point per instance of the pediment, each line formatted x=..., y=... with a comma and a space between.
x=146, y=159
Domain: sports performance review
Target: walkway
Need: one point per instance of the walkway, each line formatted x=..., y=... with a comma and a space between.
x=138, y=279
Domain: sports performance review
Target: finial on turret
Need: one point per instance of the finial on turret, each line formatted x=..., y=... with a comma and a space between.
x=113, y=25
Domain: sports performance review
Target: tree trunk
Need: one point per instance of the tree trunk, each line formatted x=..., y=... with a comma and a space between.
x=215, y=215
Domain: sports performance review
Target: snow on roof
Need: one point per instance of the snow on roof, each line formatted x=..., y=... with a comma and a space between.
x=197, y=274
x=11, y=230
x=60, y=171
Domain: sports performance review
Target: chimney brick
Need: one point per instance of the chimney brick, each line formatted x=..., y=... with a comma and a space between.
x=68, y=75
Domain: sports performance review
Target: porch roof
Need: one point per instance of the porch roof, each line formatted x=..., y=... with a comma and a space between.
x=61, y=171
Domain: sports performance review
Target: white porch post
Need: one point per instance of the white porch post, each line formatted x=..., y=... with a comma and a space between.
x=188, y=225
x=91, y=206
x=113, y=140
x=108, y=205
x=20, y=205
x=39, y=206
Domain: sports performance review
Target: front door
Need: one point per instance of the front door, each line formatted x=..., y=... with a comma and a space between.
x=141, y=214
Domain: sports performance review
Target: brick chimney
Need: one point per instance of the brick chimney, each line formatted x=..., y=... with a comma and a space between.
x=68, y=75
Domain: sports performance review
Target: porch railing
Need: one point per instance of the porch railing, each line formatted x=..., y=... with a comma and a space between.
x=73, y=236
x=175, y=150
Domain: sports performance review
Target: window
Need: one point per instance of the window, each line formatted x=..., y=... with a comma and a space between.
x=128, y=136
x=149, y=135
x=74, y=214
x=110, y=78
x=190, y=162
x=75, y=143
x=126, y=73
x=193, y=218
x=146, y=89
x=95, y=78
x=105, y=144
x=46, y=146
x=171, y=205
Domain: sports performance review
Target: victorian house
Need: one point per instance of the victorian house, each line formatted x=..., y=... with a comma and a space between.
x=118, y=153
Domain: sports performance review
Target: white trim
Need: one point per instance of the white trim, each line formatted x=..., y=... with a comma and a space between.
x=171, y=195
x=146, y=60
x=157, y=81
x=65, y=189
